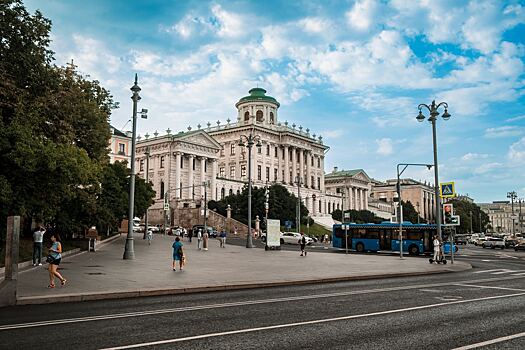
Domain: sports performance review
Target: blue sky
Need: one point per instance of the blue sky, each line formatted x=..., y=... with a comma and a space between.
x=351, y=71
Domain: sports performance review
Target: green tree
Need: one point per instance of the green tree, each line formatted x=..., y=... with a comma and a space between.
x=410, y=213
x=467, y=211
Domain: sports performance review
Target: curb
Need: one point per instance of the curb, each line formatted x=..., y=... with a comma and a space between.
x=68, y=298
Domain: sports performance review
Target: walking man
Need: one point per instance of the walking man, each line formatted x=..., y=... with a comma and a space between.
x=38, y=239
x=302, y=242
x=199, y=239
x=149, y=236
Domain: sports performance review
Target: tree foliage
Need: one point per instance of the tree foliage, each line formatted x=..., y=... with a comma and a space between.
x=282, y=205
x=464, y=208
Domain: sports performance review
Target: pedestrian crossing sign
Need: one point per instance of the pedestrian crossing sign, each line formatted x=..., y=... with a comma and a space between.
x=446, y=190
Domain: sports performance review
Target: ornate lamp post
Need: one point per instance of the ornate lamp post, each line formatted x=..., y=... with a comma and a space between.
x=248, y=141
x=434, y=113
x=129, y=252
x=512, y=196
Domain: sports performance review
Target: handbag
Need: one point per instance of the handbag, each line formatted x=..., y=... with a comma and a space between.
x=50, y=259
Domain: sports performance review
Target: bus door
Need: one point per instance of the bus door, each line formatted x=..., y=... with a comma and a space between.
x=427, y=240
x=385, y=239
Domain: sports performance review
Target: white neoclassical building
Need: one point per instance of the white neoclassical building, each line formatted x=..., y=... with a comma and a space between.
x=354, y=187
x=289, y=155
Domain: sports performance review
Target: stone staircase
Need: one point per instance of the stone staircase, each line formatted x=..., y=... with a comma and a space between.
x=326, y=221
x=187, y=217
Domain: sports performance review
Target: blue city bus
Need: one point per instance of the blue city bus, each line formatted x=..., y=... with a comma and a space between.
x=417, y=238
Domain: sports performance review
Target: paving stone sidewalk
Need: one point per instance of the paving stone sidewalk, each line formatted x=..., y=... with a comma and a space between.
x=104, y=274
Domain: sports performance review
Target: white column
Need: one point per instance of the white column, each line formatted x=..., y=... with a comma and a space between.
x=354, y=199
x=294, y=164
x=213, y=179
x=190, y=175
x=301, y=165
x=308, y=175
x=322, y=174
x=362, y=191
x=366, y=199
x=286, y=165
x=177, y=174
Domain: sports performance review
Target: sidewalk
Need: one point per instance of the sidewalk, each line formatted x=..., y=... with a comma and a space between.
x=105, y=275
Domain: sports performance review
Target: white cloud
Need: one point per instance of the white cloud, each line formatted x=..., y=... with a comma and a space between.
x=515, y=119
x=362, y=15
x=487, y=168
x=332, y=134
x=385, y=146
x=230, y=24
x=316, y=25
x=516, y=153
x=503, y=131
x=474, y=156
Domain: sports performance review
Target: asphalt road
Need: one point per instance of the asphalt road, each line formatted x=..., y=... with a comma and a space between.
x=445, y=311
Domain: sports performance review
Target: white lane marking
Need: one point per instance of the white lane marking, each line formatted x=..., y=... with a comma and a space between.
x=304, y=323
x=487, y=271
x=240, y=303
x=518, y=274
x=504, y=271
x=488, y=287
x=449, y=298
x=486, y=260
x=492, y=341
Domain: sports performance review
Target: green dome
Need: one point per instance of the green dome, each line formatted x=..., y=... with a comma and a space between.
x=257, y=94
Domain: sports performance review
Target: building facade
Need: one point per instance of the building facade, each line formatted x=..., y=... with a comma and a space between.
x=352, y=186
x=421, y=195
x=119, y=146
x=501, y=216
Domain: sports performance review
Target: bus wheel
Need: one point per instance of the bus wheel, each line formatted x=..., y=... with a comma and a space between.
x=413, y=250
x=360, y=247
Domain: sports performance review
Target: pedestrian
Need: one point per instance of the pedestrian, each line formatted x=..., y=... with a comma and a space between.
x=178, y=254
x=326, y=238
x=199, y=239
x=38, y=239
x=436, y=249
x=222, y=237
x=205, y=237
x=302, y=242
x=149, y=236
x=235, y=230
x=190, y=234
x=54, y=259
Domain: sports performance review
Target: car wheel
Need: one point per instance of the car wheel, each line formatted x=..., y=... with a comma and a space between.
x=502, y=248
x=360, y=247
x=413, y=250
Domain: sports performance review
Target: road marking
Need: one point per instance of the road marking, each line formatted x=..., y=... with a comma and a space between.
x=296, y=324
x=488, y=287
x=449, y=298
x=486, y=260
x=518, y=274
x=487, y=271
x=240, y=303
x=492, y=341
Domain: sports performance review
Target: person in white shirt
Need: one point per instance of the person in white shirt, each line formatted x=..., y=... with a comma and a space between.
x=437, y=247
x=38, y=239
x=199, y=239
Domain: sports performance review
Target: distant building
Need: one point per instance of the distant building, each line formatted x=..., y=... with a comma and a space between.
x=353, y=185
x=420, y=194
x=500, y=216
x=119, y=146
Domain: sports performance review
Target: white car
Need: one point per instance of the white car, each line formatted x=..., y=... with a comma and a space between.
x=494, y=243
x=293, y=238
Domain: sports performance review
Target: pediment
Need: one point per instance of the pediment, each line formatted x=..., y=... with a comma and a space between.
x=362, y=176
x=200, y=138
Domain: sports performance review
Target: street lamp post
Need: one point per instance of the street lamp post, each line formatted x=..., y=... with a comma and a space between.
x=520, y=217
x=512, y=195
x=400, y=206
x=148, y=152
x=249, y=141
x=434, y=113
x=129, y=253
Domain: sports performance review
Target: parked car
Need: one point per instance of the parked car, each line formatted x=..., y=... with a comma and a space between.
x=519, y=246
x=460, y=239
x=293, y=238
x=494, y=243
x=510, y=242
x=480, y=240
x=211, y=231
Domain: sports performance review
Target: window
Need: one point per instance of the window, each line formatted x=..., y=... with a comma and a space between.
x=318, y=162
x=247, y=116
x=312, y=181
x=259, y=116
x=259, y=151
x=181, y=162
x=320, y=206
x=272, y=118
x=222, y=172
x=142, y=165
x=232, y=172
x=232, y=149
x=276, y=151
x=162, y=162
x=243, y=171
x=230, y=192
x=259, y=172
x=267, y=173
x=282, y=175
x=318, y=183
x=223, y=191
x=267, y=150
x=274, y=174
x=122, y=149
x=283, y=153
x=193, y=163
x=162, y=190
x=222, y=152
x=205, y=165
x=313, y=160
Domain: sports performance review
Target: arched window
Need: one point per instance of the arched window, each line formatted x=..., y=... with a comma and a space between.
x=246, y=116
x=272, y=118
x=222, y=193
x=259, y=116
x=162, y=190
x=231, y=192
x=238, y=192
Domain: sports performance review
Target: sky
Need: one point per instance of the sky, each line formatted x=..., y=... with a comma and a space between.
x=351, y=71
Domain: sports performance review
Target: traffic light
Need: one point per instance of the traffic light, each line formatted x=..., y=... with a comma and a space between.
x=448, y=211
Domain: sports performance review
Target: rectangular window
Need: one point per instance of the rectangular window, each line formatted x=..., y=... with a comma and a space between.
x=312, y=181
x=232, y=149
x=318, y=183
x=276, y=156
x=318, y=162
x=122, y=149
x=283, y=153
x=222, y=172
x=267, y=173
x=243, y=171
x=162, y=162
x=232, y=172
x=274, y=174
x=267, y=150
x=222, y=152
x=259, y=172
x=259, y=150
x=142, y=165
x=313, y=160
